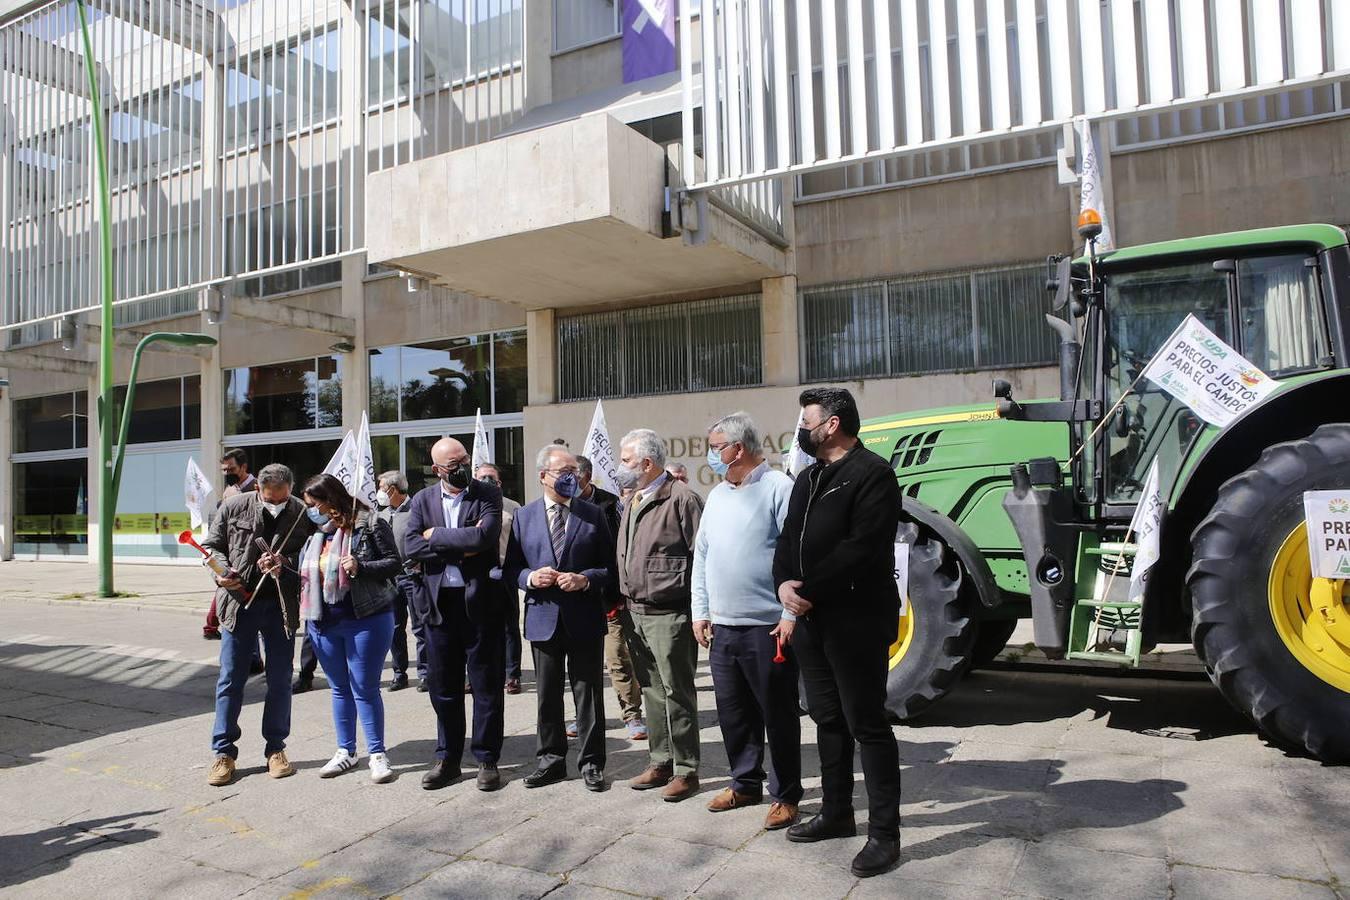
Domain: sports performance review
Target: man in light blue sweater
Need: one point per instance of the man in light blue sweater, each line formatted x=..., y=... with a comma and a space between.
x=736, y=610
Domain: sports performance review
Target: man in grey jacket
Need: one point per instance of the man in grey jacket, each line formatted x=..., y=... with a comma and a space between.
x=395, y=506
x=259, y=594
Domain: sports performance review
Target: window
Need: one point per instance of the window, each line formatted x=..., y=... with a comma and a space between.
x=286, y=396
x=456, y=40
x=167, y=410
x=1281, y=314
x=53, y=422
x=51, y=505
x=672, y=348
x=284, y=233
x=449, y=379
x=578, y=22
x=305, y=459
x=990, y=318
x=273, y=93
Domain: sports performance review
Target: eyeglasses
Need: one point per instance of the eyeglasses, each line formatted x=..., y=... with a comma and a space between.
x=718, y=448
x=570, y=469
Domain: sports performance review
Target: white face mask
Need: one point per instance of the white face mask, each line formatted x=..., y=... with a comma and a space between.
x=382, y=498
x=274, y=508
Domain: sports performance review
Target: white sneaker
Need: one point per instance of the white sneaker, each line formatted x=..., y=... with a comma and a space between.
x=380, y=773
x=342, y=761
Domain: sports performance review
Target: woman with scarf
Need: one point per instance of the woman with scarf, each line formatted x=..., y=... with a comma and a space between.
x=346, y=595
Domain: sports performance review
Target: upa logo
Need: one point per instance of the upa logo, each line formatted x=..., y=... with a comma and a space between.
x=1213, y=346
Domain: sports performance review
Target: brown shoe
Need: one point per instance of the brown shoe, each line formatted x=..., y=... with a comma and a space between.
x=728, y=799
x=278, y=766
x=681, y=787
x=513, y=685
x=654, y=777
x=222, y=771
x=781, y=815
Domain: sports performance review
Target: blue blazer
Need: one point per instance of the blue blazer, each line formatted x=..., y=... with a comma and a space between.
x=588, y=550
x=473, y=546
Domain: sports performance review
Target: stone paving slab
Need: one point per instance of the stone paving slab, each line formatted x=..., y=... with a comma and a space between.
x=1021, y=784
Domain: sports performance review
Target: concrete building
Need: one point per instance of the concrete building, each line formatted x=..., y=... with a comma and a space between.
x=421, y=209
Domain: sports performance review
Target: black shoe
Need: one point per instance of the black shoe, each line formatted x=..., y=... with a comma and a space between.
x=879, y=855
x=421, y=685
x=210, y=635
x=399, y=683
x=593, y=778
x=302, y=685
x=441, y=773
x=541, y=777
x=489, y=779
x=819, y=828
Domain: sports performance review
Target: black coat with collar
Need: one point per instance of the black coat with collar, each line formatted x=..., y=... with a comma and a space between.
x=473, y=546
x=839, y=535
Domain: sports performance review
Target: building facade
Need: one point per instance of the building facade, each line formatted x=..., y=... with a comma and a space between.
x=427, y=209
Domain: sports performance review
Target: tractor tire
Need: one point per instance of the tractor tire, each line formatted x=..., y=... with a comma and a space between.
x=1252, y=624
x=937, y=632
x=990, y=639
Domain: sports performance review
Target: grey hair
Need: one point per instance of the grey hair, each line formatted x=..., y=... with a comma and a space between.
x=396, y=478
x=275, y=473
x=545, y=456
x=739, y=428
x=647, y=444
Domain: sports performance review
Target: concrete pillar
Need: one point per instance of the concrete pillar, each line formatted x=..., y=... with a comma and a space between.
x=778, y=322
x=356, y=364
x=538, y=54
x=7, y=496
x=213, y=409
x=93, y=478
x=541, y=338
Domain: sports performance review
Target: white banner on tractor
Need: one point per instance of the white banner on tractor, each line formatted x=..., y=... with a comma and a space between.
x=1210, y=377
x=1328, y=514
x=1146, y=525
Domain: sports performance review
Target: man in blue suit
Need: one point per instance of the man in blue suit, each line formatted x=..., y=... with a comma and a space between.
x=561, y=553
x=453, y=530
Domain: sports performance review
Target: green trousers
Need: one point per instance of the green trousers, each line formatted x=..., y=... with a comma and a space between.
x=665, y=658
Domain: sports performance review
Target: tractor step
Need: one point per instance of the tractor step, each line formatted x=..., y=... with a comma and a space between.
x=1104, y=626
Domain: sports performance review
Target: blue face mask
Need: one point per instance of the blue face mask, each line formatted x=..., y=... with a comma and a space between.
x=317, y=517
x=567, y=485
x=715, y=463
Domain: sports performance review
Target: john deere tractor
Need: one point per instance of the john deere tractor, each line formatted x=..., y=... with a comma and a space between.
x=1021, y=508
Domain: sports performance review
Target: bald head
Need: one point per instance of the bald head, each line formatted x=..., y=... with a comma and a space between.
x=450, y=462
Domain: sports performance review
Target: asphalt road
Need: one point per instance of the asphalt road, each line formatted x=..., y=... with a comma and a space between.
x=1021, y=784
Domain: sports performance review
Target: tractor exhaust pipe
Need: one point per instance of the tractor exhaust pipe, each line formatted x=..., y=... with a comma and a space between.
x=1070, y=352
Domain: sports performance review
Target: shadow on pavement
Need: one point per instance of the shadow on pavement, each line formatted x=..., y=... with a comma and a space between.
x=53, y=849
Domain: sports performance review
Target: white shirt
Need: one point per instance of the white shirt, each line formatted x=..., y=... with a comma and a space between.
x=652, y=488
x=549, y=503
x=450, y=504
x=756, y=474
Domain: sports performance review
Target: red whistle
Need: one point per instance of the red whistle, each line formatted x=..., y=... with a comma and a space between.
x=779, y=658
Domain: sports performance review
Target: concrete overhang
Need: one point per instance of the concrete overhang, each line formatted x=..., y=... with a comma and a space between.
x=565, y=215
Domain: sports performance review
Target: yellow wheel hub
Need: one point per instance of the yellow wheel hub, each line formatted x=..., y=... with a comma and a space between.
x=905, y=636
x=1310, y=614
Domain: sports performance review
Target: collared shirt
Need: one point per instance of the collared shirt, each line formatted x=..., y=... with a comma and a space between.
x=244, y=485
x=450, y=505
x=756, y=474
x=549, y=504
x=645, y=493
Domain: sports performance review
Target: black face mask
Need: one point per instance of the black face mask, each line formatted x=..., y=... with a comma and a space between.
x=806, y=440
x=458, y=477
x=231, y=479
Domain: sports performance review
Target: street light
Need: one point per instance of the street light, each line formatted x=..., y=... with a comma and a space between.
x=112, y=470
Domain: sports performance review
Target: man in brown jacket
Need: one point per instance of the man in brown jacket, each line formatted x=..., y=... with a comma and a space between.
x=655, y=559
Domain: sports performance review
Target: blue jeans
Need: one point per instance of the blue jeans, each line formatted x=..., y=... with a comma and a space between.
x=237, y=649
x=352, y=653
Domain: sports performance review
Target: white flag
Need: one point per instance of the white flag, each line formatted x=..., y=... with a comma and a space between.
x=482, y=445
x=363, y=486
x=1210, y=377
x=795, y=459
x=604, y=471
x=343, y=463
x=196, y=488
x=1147, y=526
x=1090, y=186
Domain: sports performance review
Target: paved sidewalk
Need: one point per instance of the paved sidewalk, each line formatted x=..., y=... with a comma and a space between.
x=1021, y=784
x=177, y=588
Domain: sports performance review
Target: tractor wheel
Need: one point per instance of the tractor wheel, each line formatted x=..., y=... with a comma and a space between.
x=990, y=640
x=937, y=631
x=1274, y=657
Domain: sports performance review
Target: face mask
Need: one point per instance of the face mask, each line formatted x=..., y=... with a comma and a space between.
x=488, y=479
x=231, y=479
x=567, y=485
x=805, y=439
x=458, y=477
x=626, y=477
x=274, y=508
x=317, y=517
x=716, y=464
x=382, y=498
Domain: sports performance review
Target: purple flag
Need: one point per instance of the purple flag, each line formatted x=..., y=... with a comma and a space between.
x=648, y=38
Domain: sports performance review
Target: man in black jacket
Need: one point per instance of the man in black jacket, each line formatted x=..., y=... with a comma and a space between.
x=834, y=567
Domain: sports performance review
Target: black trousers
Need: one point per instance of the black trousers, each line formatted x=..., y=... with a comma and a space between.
x=456, y=649
x=843, y=659
x=754, y=695
x=308, y=661
x=584, y=660
x=398, y=648
x=511, y=603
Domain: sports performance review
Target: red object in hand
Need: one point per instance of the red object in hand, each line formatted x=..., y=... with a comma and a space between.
x=186, y=537
x=779, y=658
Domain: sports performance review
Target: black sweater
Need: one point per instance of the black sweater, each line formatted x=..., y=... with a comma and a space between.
x=839, y=536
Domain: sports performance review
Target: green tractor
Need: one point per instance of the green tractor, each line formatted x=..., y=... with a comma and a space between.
x=1020, y=509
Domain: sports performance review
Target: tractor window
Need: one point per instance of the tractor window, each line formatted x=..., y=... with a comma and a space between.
x=1282, y=329
x=1143, y=309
